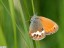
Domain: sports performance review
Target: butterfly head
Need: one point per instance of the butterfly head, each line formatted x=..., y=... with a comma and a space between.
x=34, y=18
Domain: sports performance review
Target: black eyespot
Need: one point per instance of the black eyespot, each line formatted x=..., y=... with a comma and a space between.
x=37, y=35
x=54, y=27
x=42, y=29
x=34, y=35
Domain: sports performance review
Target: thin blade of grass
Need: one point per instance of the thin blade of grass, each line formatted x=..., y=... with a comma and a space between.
x=11, y=5
x=2, y=38
x=22, y=35
x=61, y=24
x=25, y=27
x=34, y=12
x=37, y=44
x=33, y=6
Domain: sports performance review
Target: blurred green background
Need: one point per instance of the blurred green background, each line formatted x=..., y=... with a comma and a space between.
x=15, y=20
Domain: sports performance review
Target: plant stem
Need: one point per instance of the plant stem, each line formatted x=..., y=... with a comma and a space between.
x=11, y=5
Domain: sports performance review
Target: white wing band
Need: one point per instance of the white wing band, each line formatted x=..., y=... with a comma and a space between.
x=39, y=33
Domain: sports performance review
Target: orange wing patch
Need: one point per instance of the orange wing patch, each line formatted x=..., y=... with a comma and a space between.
x=49, y=26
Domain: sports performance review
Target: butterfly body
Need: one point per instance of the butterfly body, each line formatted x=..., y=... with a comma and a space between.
x=41, y=26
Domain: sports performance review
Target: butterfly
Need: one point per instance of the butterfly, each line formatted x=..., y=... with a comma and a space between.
x=41, y=26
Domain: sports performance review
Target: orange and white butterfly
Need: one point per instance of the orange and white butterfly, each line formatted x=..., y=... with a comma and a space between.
x=41, y=26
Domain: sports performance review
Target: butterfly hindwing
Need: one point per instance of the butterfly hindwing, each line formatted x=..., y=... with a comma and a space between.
x=36, y=26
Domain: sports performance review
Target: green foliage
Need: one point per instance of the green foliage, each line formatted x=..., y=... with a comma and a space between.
x=15, y=20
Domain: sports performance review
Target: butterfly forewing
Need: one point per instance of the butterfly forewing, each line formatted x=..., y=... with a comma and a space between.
x=49, y=26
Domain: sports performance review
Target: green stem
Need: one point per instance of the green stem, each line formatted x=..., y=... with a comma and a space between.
x=24, y=24
x=22, y=16
x=33, y=7
x=2, y=38
x=11, y=5
x=61, y=30
x=37, y=44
